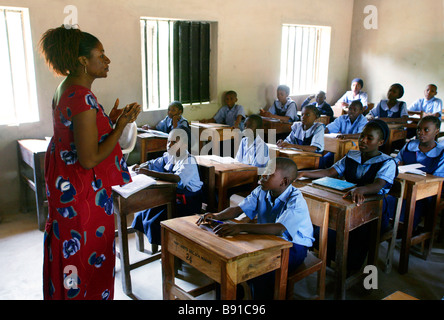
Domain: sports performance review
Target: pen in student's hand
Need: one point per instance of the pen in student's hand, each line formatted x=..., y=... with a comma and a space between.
x=214, y=220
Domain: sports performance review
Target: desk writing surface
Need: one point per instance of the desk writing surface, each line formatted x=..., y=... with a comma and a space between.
x=227, y=248
x=223, y=167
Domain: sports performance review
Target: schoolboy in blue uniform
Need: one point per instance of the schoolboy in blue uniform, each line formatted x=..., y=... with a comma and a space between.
x=391, y=108
x=281, y=210
x=283, y=108
x=426, y=151
x=176, y=165
x=306, y=135
x=430, y=105
x=231, y=113
x=252, y=149
x=373, y=172
x=320, y=103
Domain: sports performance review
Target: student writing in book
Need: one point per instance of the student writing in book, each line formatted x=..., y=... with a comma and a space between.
x=349, y=126
x=252, y=149
x=283, y=108
x=306, y=135
x=426, y=151
x=320, y=103
x=391, y=109
x=280, y=210
x=176, y=165
x=372, y=171
x=355, y=93
x=231, y=113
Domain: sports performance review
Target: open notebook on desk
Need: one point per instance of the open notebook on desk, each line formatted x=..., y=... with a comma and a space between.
x=139, y=182
x=415, y=168
x=151, y=133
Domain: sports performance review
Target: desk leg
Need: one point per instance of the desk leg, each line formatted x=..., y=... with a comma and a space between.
x=408, y=229
x=124, y=253
x=143, y=147
x=227, y=285
x=40, y=191
x=342, y=234
x=280, y=282
x=167, y=266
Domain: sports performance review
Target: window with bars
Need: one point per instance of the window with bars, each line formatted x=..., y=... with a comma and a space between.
x=17, y=75
x=175, y=62
x=304, y=58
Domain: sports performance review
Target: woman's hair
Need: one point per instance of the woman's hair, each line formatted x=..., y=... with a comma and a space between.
x=61, y=48
x=435, y=120
x=313, y=108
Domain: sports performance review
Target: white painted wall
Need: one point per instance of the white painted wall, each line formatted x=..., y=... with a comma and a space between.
x=407, y=47
x=248, y=56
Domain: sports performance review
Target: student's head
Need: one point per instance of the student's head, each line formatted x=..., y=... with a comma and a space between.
x=374, y=135
x=230, y=98
x=283, y=92
x=428, y=128
x=254, y=122
x=74, y=52
x=355, y=109
x=396, y=91
x=430, y=91
x=279, y=174
x=356, y=85
x=309, y=114
x=177, y=142
x=320, y=97
x=175, y=109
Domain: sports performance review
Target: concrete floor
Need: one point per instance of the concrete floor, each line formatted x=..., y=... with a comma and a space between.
x=21, y=253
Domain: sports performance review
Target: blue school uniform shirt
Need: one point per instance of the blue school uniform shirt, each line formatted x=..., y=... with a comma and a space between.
x=433, y=160
x=348, y=97
x=290, y=209
x=228, y=116
x=315, y=133
x=387, y=172
x=166, y=125
x=256, y=154
x=433, y=105
x=186, y=168
x=383, y=111
x=343, y=125
x=287, y=110
x=324, y=108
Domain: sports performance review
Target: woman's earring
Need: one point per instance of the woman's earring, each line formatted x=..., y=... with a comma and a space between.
x=86, y=71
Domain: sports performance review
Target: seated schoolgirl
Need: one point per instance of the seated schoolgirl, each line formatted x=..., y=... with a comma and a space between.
x=306, y=135
x=373, y=172
x=391, y=109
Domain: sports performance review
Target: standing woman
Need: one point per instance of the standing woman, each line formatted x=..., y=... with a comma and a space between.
x=83, y=161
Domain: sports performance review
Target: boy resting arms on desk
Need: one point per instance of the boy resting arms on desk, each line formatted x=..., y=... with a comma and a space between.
x=280, y=209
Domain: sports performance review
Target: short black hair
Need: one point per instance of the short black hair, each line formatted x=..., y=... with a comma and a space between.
x=400, y=88
x=231, y=92
x=357, y=103
x=313, y=108
x=288, y=167
x=435, y=120
x=257, y=119
x=178, y=105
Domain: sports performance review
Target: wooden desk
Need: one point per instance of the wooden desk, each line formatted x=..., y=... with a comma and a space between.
x=207, y=132
x=229, y=175
x=31, y=153
x=279, y=126
x=397, y=132
x=303, y=159
x=344, y=216
x=398, y=295
x=228, y=261
x=161, y=193
x=150, y=143
x=417, y=188
x=339, y=147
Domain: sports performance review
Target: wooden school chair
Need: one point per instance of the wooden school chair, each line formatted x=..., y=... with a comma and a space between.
x=396, y=191
x=312, y=263
x=208, y=177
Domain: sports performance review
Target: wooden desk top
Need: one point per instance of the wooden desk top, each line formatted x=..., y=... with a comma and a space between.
x=418, y=179
x=210, y=125
x=223, y=167
x=334, y=196
x=398, y=295
x=227, y=248
x=290, y=152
